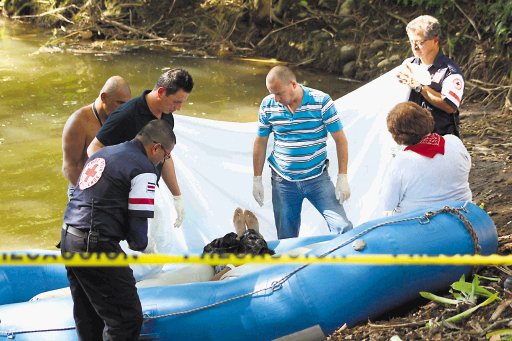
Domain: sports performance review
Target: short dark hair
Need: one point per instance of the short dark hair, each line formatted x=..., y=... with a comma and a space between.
x=157, y=131
x=174, y=80
x=408, y=123
x=282, y=73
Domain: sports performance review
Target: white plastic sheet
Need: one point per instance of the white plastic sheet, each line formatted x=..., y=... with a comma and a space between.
x=213, y=160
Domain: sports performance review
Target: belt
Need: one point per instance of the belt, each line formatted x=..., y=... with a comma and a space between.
x=83, y=234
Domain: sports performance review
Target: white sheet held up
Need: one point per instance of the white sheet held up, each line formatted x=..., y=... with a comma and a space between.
x=213, y=161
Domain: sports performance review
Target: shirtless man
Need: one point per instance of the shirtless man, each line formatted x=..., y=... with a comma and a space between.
x=82, y=126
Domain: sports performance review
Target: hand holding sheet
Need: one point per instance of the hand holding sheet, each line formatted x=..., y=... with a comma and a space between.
x=413, y=75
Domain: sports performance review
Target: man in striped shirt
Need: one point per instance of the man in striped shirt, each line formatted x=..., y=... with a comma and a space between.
x=300, y=118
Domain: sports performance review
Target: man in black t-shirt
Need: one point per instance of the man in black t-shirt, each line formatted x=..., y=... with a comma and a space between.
x=170, y=92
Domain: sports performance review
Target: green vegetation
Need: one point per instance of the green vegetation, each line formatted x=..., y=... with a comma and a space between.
x=465, y=293
x=504, y=334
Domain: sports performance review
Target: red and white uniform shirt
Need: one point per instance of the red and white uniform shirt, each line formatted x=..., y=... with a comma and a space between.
x=448, y=80
x=115, y=189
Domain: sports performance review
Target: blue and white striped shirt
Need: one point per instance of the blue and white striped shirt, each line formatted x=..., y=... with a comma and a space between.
x=300, y=148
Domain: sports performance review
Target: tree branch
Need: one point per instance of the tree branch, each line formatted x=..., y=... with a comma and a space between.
x=396, y=16
x=54, y=12
x=469, y=19
x=133, y=30
x=284, y=27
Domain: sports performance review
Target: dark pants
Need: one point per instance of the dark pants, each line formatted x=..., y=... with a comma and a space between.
x=106, y=303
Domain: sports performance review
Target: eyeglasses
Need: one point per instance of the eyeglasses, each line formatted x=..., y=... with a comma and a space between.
x=167, y=154
x=419, y=42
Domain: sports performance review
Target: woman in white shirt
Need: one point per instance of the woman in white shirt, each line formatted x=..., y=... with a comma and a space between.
x=430, y=169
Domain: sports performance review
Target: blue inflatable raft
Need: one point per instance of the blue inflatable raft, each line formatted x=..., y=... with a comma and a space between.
x=261, y=302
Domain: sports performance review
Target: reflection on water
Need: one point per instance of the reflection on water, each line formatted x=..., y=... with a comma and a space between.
x=38, y=91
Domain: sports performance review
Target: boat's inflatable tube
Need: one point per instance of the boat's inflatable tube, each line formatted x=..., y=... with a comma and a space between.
x=18, y=284
x=271, y=302
x=22, y=283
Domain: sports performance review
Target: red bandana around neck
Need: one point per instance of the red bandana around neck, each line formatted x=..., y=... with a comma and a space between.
x=429, y=146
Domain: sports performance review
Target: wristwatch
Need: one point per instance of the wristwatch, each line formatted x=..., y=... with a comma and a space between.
x=418, y=88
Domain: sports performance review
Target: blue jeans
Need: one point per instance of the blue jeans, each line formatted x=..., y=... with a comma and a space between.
x=287, y=198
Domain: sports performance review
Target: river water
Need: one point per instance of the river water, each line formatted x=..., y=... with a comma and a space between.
x=39, y=90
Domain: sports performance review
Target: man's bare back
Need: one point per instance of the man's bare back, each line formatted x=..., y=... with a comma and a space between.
x=79, y=130
x=82, y=126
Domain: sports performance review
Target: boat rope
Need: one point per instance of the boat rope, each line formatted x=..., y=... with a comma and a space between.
x=424, y=219
x=276, y=285
x=11, y=334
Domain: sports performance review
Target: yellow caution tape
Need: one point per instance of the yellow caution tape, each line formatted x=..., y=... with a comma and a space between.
x=112, y=259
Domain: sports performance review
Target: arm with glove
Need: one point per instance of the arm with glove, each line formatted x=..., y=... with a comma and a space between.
x=169, y=176
x=418, y=79
x=258, y=160
x=414, y=75
x=342, y=186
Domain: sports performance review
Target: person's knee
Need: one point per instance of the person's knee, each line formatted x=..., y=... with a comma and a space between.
x=129, y=323
x=138, y=320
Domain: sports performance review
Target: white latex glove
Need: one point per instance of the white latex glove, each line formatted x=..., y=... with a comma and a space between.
x=342, y=188
x=405, y=76
x=257, y=190
x=414, y=75
x=420, y=73
x=180, y=210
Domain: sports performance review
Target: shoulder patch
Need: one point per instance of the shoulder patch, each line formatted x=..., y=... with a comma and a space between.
x=457, y=83
x=91, y=173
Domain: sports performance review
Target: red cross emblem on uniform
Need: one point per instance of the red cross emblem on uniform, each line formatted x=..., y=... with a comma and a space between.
x=457, y=83
x=91, y=173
